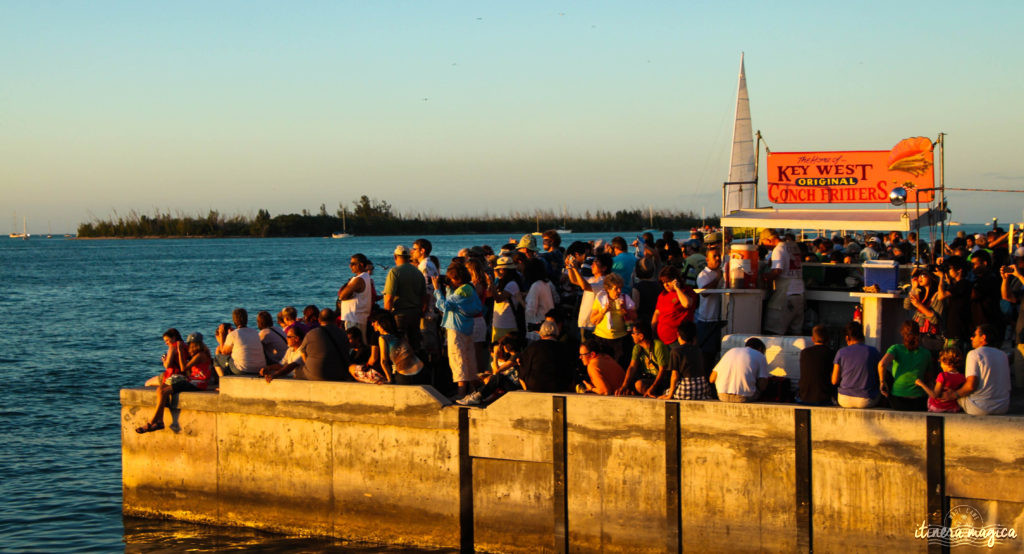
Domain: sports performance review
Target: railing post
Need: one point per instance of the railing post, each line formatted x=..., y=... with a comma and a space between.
x=938, y=505
x=804, y=506
x=673, y=478
x=465, y=485
x=560, y=485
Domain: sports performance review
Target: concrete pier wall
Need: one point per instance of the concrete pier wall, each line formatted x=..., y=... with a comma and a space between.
x=538, y=472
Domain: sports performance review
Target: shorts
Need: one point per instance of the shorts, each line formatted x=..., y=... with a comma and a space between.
x=461, y=356
x=856, y=402
x=692, y=388
x=726, y=397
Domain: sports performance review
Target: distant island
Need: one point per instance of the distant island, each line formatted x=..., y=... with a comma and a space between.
x=376, y=217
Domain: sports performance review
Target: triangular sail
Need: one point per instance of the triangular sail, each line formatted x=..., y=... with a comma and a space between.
x=741, y=162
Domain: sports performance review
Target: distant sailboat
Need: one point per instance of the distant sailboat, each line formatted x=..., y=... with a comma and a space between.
x=741, y=188
x=24, y=231
x=343, y=234
x=563, y=230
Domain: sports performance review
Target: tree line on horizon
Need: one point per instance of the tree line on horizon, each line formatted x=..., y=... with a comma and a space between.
x=376, y=217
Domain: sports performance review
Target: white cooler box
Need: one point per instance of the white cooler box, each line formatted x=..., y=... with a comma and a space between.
x=782, y=351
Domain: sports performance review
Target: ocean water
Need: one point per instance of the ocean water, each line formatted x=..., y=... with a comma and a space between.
x=83, y=319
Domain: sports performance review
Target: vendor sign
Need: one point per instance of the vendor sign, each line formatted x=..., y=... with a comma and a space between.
x=860, y=176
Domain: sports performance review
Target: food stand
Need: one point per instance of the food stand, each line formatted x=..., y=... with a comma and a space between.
x=882, y=311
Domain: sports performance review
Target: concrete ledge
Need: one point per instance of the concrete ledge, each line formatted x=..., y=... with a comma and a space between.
x=401, y=465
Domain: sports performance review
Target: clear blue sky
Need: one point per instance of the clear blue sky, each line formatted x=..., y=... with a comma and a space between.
x=467, y=107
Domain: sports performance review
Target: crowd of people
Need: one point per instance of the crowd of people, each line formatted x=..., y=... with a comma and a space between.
x=639, y=318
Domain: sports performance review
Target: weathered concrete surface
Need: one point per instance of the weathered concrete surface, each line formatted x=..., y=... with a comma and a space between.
x=868, y=479
x=515, y=427
x=985, y=458
x=512, y=506
x=382, y=464
x=350, y=460
x=616, y=474
x=737, y=477
x=994, y=512
x=171, y=473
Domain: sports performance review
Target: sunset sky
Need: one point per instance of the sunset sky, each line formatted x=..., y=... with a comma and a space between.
x=467, y=108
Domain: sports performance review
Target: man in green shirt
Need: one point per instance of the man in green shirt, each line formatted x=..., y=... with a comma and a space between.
x=647, y=366
x=405, y=296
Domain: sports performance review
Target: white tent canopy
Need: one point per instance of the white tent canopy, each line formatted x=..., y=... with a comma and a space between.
x=859, y=220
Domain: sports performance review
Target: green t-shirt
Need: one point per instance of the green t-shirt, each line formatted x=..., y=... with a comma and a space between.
x=651, y=361
x=907, y=367
x=406, y=282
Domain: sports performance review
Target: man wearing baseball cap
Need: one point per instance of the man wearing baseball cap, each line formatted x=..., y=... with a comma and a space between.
x=405, y=295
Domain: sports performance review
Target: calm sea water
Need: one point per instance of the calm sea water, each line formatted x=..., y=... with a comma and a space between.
x=83, y=319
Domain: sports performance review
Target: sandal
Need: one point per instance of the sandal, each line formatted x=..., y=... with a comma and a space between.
x=149, y=427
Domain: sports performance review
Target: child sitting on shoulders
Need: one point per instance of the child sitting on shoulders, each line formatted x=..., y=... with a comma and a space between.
x=950, y=379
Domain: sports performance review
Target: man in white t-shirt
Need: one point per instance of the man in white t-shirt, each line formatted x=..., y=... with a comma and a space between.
x=987, y=390
x=742, y=373
x=239, y=352
x=784, y=313
x=709, y=311
x=355, y=298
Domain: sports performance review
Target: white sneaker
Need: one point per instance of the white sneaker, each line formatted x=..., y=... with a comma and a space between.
x=471, y=399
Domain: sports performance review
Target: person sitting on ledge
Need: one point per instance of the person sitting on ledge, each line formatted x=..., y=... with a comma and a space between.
x=195, y=376
x=686, y=363
x=987, y=389
x=171, y=359
x=815, y=384
x=547, y=363
x=292, y=360
x=505, y=364
x=239, y=352
x=274, y=343
x=394, y=355
x=311, y=316
x=855, y=370
x=324, y=352
x=742, y=373
x=605, y=374
x=646, y=374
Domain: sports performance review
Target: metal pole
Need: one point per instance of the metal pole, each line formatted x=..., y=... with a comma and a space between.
x=942, y=185
x=757, y=159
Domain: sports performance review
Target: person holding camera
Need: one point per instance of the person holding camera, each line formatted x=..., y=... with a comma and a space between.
x=459, y=303
x=1012, y=290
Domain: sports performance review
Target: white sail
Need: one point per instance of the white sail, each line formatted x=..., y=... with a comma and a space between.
x=741, y=162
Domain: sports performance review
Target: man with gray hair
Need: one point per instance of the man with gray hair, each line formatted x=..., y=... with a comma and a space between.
x=547, y=363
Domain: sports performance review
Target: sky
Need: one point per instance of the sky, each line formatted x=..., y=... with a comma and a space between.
x=467, y=108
